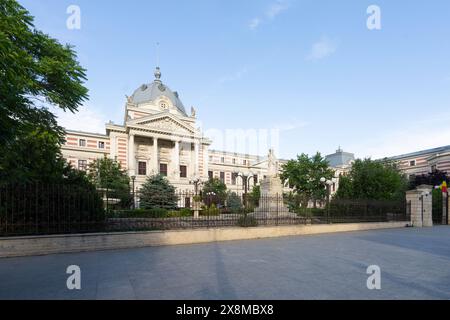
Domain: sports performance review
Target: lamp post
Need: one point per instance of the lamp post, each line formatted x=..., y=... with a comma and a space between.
x=245, y=181
x=209, y=196
x=196, y=181
x=327, y=183
x=133, y=178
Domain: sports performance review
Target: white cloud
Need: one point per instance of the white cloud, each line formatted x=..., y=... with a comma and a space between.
x=235, y=76
x=322, y=49
x=289, y=126
x=276, y=8
x=254, y=23
x=417, y=136
x=86, y=119
x=272, y=11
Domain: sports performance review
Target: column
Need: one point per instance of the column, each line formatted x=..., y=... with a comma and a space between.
x=420, y=202
x=112, y=147
x=155, y=156
x=196, y=157
x=176, y=158
x=205, y=161
x=131, y=155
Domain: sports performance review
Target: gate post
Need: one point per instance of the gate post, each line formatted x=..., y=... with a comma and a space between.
x=444, y=208
x=421, y=206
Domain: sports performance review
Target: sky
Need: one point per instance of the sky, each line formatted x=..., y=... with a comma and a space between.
x=310, y=71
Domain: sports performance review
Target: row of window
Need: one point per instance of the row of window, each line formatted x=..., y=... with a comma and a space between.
x=82, y=143
x=233, y=161
x=142, y=169
x=234, y=176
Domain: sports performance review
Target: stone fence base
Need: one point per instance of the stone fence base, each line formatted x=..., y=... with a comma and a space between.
x=40, y=245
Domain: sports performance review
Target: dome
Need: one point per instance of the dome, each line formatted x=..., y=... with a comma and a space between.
x=152, y=91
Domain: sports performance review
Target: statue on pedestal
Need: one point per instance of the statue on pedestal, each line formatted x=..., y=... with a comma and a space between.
x=272, y=164
x=271, y=203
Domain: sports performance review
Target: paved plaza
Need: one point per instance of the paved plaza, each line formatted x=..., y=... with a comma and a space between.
x=415, y=264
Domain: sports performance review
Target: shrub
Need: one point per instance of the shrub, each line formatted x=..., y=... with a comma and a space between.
x=185, y=212
x=247, y=221
x=234, y=202
x=141, y=213
x=211, y=211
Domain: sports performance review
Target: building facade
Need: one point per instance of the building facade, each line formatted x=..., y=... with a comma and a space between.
x=423, y=162
x=158, y=136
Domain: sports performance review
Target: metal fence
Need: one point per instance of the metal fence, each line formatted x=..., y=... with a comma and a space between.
x=49, y=209
x=55, y=209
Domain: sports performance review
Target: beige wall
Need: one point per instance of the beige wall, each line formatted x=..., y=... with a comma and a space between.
x=39, y=245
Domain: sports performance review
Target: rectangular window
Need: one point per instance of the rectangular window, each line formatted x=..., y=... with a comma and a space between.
x=142, y=168
x=82, y=165
x=233, y=178
x=255, y=179
x=210, y=158
x=163, y=169
x=187, y=202
x=222, y=176
x=210, y=175
x=82, y=143
x=183, y=171
x=234, y=161
x=412, y=163
x=222, y=159
x=244, y=162
x=101, y=145
x=433, y=168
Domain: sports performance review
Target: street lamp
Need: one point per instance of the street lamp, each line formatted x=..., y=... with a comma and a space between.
x=133, y=178
x=245, y=181
x=196, y=181
x=209, y=198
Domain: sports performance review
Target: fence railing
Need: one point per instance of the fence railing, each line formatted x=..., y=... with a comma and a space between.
x=54, y=209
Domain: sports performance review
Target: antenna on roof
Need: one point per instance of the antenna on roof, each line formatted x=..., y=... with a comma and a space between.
x=157, y=54
x=157, y=70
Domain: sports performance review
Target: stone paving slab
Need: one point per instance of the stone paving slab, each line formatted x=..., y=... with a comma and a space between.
x=415, y=264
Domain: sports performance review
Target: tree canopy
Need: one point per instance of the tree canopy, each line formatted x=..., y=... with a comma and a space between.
x=36, y=71
x=374, y=180
x=304, y=174
x=107, y=174
x=214, y=191
x=434, y=178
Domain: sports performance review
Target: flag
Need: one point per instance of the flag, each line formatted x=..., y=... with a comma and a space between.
x=444, y=187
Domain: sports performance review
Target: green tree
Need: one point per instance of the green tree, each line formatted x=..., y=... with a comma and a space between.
x=36, y=71
x=304, y=174
x=157, y=192
x=255, y=195
x=214, y=191
x=107, y=174
x=234, y=202
x=374, y=180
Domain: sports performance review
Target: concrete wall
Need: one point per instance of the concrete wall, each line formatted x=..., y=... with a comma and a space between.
x=39, y=245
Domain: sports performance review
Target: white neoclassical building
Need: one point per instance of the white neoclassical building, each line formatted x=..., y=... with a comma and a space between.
x=159, y=136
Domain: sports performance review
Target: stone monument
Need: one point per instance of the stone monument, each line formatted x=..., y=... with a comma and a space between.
x=271, y=202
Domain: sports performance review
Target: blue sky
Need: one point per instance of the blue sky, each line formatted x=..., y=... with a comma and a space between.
x=311, y=69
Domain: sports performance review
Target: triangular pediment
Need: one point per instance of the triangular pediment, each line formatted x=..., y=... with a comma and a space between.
x=163, y=122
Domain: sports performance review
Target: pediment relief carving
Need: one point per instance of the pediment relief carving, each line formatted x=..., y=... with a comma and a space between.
x=167, y=124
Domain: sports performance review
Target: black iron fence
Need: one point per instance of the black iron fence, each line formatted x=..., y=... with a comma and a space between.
x=49, y=209
x=54, y=209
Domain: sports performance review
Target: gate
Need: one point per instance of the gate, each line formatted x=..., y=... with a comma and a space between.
x=440, y=208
